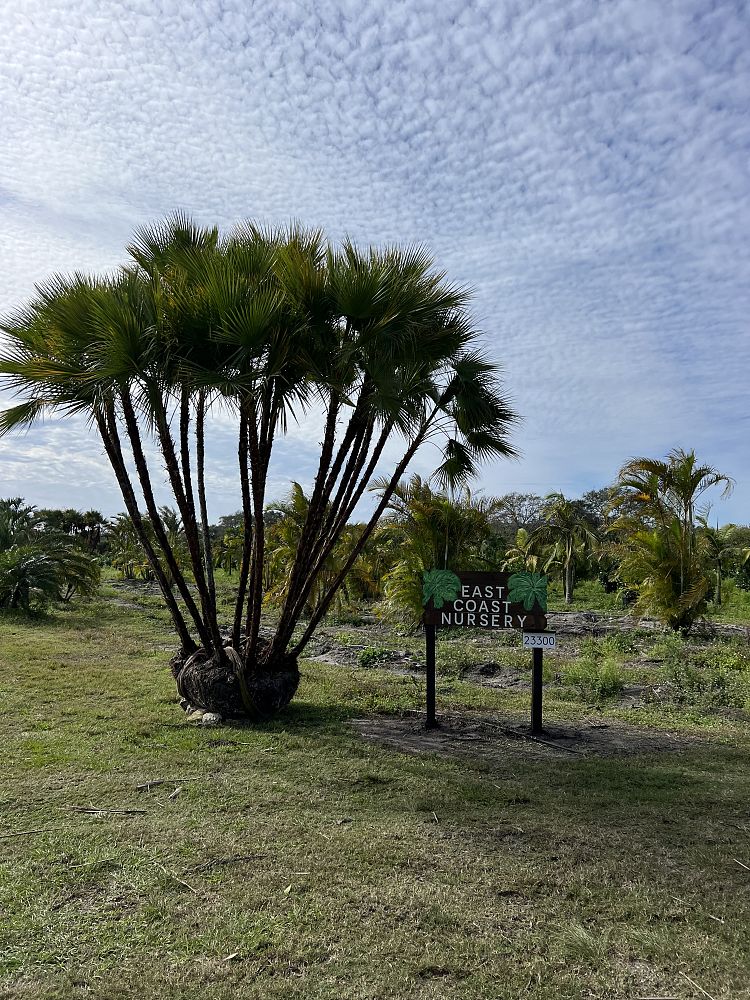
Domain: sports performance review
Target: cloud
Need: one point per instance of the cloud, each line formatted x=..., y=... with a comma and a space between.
x=583, y=166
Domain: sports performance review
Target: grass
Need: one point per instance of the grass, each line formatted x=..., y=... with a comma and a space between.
x=299, y=861
x=588, y=595
x=735, y=605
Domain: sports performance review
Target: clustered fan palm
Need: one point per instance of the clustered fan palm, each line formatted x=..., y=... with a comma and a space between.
x=266, y=324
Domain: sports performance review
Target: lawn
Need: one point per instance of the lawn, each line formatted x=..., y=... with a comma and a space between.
x=296, y=859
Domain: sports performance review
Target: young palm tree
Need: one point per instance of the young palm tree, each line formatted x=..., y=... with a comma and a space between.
x=268, y=325
x=720, y=545
x=566, y=527
x=37, y=565
x=428, y=528
x=282, y=542
x=663, y=555
x=528, y=555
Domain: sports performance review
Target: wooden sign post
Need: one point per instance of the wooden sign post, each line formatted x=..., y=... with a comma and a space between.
x=491, y=601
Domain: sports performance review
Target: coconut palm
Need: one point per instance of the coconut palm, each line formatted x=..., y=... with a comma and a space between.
x=268, y=325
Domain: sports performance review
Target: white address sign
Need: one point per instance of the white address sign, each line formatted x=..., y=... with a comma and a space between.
x=539, y=640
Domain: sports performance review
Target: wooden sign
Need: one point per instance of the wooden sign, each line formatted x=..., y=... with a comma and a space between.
x=485, y=600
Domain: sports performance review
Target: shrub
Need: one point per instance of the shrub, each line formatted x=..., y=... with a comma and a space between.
x=596, y=680
x=714, y=686
x=371, y=656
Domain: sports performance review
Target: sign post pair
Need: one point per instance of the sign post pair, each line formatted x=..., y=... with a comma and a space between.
x=489, y=601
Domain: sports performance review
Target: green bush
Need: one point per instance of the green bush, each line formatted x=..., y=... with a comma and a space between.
x=371, y=656
x=595, y=680
x=668, y=647
x=713, y=686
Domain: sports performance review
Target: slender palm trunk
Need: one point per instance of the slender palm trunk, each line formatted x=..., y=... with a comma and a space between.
x=144, y=478
x=110, y=439
x=183, y=491
x=247, y=531
x=207, y=549
x=338, y=580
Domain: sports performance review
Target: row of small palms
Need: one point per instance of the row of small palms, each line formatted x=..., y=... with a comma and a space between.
x=655, y=541
x=654, y=536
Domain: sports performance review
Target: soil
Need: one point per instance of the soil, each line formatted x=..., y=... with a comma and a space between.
x=495, y=739
x=571, y=626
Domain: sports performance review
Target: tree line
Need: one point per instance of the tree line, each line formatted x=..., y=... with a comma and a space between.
x=647, y=538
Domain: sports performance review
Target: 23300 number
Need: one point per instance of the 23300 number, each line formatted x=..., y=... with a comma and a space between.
x=539, y=640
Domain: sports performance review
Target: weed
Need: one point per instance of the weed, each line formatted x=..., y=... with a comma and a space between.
x=595, y=680
x=668, y=647
x=371, y=656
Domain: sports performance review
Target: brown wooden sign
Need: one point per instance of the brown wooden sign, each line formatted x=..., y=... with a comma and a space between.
x=485, y=600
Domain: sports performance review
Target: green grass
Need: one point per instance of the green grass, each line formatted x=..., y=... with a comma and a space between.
x=588, y=595
x=298, y=861
x=735, y=605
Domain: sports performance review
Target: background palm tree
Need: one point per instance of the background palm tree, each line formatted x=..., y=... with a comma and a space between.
x=565, y=526
x=528, y=555
x=663, y=557
x=721, y=545
x=39, y=565
x=428, y=529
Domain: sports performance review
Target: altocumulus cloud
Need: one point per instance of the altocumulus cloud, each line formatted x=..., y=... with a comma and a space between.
x=583, y=166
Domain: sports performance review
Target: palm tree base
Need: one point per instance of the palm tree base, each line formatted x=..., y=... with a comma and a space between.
x=215, y=683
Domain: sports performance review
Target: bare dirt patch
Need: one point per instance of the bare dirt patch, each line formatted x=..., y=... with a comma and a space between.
x=495, y=738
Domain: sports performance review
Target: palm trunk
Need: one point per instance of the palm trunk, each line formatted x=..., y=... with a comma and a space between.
x=207, y=551
x=247, y=532
x=255, y=596
x=110, y=439
x=153, y=512
x=325, y=603
x=183, y=492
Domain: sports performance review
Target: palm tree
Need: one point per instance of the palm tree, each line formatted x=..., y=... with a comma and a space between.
x=268, y=325
x=721, y=544
x=125, y=551
x=37, y=565
x=527, y=555
x=429, y=529
x=283, y=534
x=565, y=526
x=663, y=556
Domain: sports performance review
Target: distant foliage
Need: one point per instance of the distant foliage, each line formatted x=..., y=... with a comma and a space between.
x=663, y=556
x=39, y=566
x=429, y=530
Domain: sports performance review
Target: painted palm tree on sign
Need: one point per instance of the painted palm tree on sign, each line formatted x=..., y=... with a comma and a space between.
x=269, y=325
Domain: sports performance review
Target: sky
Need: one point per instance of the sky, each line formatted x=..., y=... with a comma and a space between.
x=583, y=166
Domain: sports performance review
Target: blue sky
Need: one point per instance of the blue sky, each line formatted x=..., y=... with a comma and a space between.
x=584, y=167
